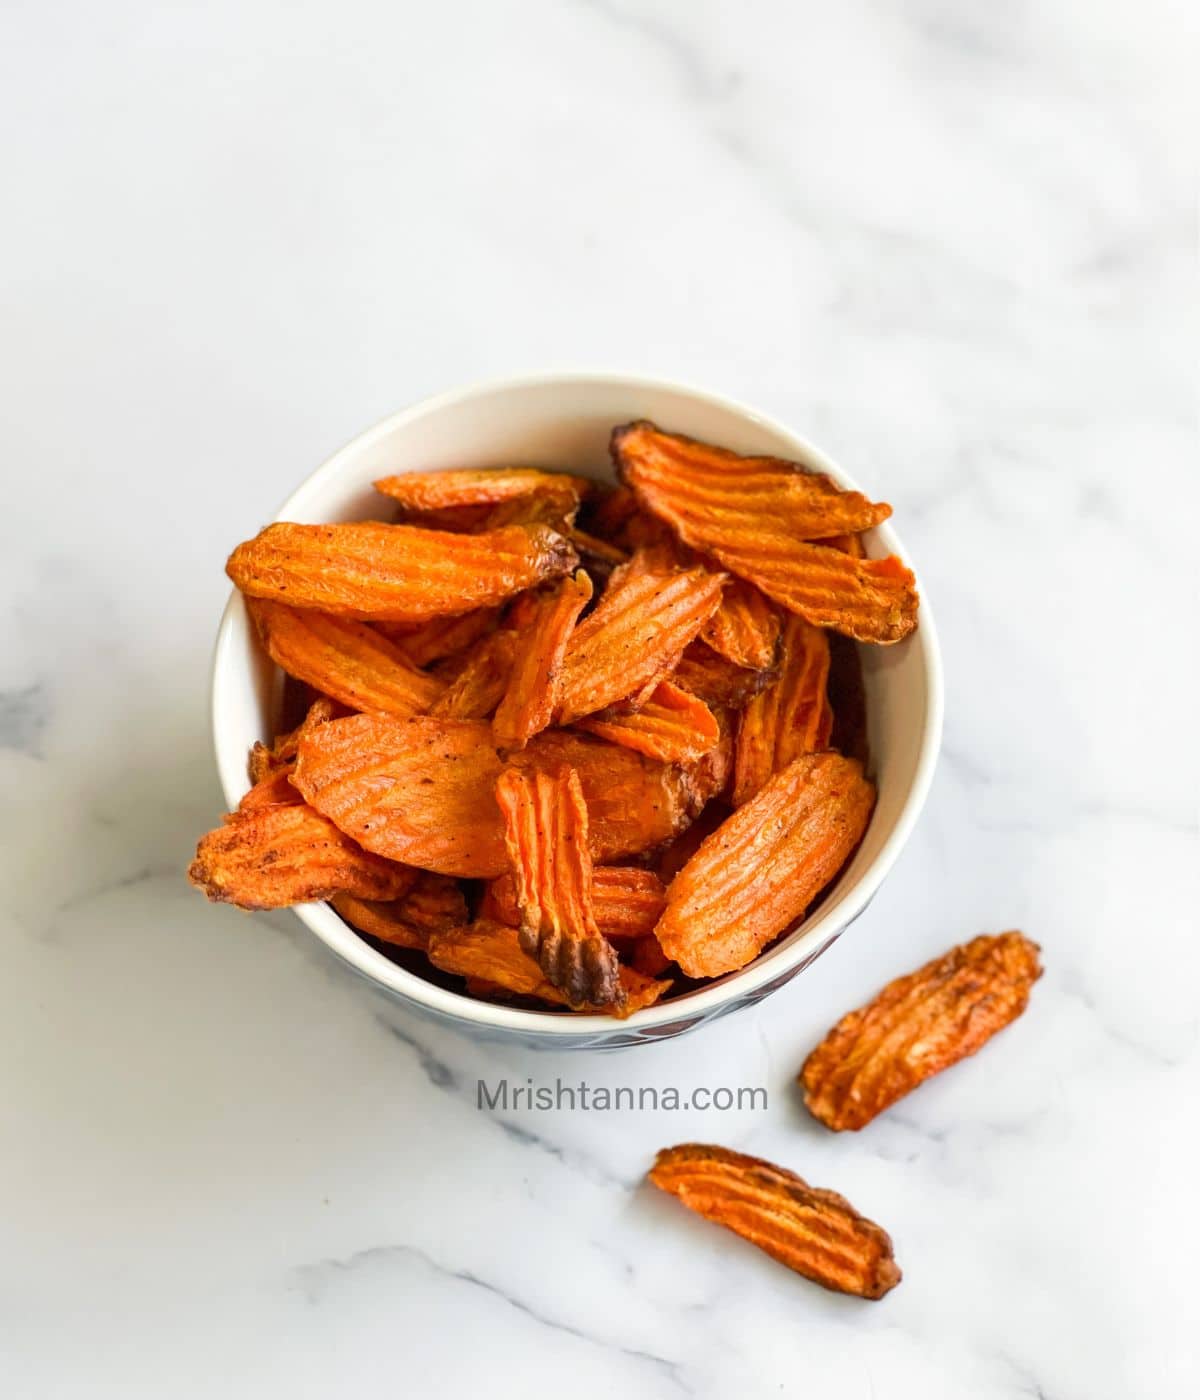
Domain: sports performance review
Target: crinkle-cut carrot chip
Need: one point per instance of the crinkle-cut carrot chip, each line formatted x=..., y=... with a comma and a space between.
x=703, y=491
x=403, y=573
x=546, y=837
x=759, y=871
x=431, y=904
x=673, y=726
x=487, y=486
x=265, y=759
x=535, y=678
x=278, y=855
x=812, y=1231
x=421, y=791
x=489, y=955
x=626, y=900
x=273, y=790
x=634, y=635
x=745, y=627
x=423, y=643
x=717, y=681
x=871, y=600
x=481, y=683
x=347, y=660
x=754, y=515
x=917, y=1026
x=791, y=717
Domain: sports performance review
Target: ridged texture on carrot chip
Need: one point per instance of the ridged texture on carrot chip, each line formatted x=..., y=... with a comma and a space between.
x=745, y=627
x=627, y=901
x=754, y=514
x=673, y=726
x=421, y=791
x=763, y=866
x=346, y=660
x=917, y=1026
x=489, y=955
x=403, y=573
x=546, y=837
x=812, y=1231
x=273, y=856
x=790, y=717
x=535, y=680
x=635, y=635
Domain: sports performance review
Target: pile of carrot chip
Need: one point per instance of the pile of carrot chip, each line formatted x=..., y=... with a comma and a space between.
x=564, y=744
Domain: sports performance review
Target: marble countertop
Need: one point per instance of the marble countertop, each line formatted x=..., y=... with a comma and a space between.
x=951, y=242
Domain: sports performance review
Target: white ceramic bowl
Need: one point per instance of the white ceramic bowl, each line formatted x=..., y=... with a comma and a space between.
x=563, y=421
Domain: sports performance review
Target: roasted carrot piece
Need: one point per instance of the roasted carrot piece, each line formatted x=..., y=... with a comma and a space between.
x=703, y=491
x=626, y=900
x=273, y=856
x=481, y=684
x=489, y=955
x=641, y=625
x=745, y=628
x=265, y=759
x=402, y=573
x=673, y=726
x=431, y=904
x=754, y=514
x=546, y=837
x=488, y=486
x=346, y=660
x=789, y=718
x=917, y=1026
x=535, y=678
x=421, y=791
x=759, y=871
x=812, y=1231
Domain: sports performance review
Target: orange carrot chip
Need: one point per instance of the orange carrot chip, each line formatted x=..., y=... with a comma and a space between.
x=753, y=514
x=758, y=872
x=535, y=678
x=814, y=1232
x=347, y=660
x=791, y=717
x=917, y=1026
x=745, y=627
x=399, y=572
x=627, y=901
x=641, y=625
x=488, y=486
x=273, y=856
x=546, y=836
x=673, y=726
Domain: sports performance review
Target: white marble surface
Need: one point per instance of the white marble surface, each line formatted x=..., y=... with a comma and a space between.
x=952, y=241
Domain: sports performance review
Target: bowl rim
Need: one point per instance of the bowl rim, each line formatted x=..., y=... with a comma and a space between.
x=735, y=987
